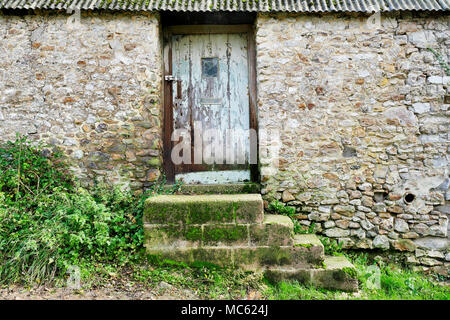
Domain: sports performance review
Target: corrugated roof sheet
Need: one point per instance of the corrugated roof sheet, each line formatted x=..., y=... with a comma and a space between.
x=234, y=5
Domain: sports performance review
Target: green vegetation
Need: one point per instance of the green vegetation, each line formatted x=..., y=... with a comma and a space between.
x=205, y=280
x=332, y=247
x=227, y=233
x=49, y=223
x=441, y=61
x=277, y=207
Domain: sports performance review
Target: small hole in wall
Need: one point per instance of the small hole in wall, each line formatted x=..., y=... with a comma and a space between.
x=447, y=99
x=409, y=197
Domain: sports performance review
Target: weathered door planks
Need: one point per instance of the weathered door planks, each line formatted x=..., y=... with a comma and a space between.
x=217, y=98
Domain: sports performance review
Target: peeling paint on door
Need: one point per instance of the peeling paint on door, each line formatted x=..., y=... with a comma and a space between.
x=212, y=85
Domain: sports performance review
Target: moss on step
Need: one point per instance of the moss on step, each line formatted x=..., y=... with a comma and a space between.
x=247, y=258
x=303, y=245
x=312, y=244
x=158, y=236
x=225, y=234
x=193, y=233
x=200, y=213
x=339, y=274
x=351, y=272
x=219, y=256
x=200, y=209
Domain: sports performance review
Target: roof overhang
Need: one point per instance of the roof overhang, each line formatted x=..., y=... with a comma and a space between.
x=316, y=6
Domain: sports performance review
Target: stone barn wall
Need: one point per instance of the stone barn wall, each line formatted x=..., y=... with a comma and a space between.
x=362, y=115
x=90, y=85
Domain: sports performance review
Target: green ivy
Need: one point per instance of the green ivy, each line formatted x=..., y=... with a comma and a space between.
x=441, y=60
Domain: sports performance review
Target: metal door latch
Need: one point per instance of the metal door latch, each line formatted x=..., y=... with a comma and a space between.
x=170, y=78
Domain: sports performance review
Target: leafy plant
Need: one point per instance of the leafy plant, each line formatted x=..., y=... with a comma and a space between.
x=301, y=229
x=331, y=246
x=278, y=207
x=28, y=171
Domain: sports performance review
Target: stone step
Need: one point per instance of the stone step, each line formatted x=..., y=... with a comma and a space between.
x=306, y=251
x=204, y=209
x=337, y=273
x=245, y=257
x=232, y=188
x=312, y=244
x=276, y=230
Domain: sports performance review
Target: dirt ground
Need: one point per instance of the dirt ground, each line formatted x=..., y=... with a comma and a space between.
x=163, y=291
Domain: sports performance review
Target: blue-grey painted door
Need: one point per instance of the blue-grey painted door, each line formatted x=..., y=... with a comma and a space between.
x=211, y=102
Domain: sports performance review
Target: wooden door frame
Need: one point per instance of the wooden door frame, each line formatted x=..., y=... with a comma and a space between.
x=168, y=166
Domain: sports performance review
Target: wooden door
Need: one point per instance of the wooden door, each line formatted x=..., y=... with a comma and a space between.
x=212, y=133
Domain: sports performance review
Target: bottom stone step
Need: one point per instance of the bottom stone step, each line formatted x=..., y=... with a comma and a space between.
x=337, y=274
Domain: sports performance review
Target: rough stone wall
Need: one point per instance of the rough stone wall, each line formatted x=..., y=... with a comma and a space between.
x=89, y=84
x=362, y=114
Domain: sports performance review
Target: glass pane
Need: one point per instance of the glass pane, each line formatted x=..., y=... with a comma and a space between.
x=210, y=67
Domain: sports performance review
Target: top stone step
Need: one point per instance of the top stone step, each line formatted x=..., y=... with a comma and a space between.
x=204, y=209
x=230, y=188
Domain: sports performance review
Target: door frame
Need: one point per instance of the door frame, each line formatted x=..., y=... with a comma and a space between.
x=168, y=166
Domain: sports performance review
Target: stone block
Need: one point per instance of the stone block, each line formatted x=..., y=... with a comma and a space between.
x=163, y=236
x=336, y=274
x=276, y=230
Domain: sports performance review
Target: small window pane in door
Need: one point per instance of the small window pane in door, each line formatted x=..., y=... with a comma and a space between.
x=210, y=67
